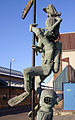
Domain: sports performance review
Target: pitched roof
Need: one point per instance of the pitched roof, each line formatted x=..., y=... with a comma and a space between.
x=68, y=41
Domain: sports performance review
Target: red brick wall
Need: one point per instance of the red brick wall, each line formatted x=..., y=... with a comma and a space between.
x=4, y=96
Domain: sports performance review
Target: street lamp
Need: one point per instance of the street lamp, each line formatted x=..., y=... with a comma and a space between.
x=10, y=78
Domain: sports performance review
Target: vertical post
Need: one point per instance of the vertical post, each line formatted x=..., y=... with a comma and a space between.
x=33, y=60
x=10, y=82
x=10, y=79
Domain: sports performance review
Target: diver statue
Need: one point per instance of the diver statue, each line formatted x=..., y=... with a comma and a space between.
x=50, y=47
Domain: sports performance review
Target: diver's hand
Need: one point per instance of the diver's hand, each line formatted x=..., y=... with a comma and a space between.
x=32, y=25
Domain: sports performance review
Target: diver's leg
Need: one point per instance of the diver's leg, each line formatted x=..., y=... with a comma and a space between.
x=49, y=57
x=38, y=85
x=57, y=55
x=28, y=74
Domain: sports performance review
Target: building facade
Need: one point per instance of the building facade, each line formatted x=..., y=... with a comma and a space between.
x=12, y=85
x=68, y=48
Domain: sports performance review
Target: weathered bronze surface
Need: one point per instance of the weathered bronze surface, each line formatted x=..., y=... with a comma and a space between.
x=47, y=101
x=50, y=47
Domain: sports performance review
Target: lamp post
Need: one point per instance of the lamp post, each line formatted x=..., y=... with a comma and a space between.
x=10, y=79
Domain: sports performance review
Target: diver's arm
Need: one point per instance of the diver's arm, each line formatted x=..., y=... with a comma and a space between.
x=37, y=49
x=53, y=26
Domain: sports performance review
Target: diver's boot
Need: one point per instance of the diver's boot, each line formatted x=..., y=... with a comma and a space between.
x=18, y=99
x=27, y=87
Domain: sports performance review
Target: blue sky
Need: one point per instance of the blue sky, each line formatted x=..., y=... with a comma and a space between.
x=15, y=38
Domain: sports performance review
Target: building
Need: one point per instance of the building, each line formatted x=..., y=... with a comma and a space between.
x=66, y=73
x=12, y=85
x=16, y=77
x=68, y=48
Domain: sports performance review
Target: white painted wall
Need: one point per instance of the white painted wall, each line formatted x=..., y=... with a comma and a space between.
x=71, y=55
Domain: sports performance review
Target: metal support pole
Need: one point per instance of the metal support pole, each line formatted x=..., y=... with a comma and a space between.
x=33, y=61
x=10, y=82
x=10, y=79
